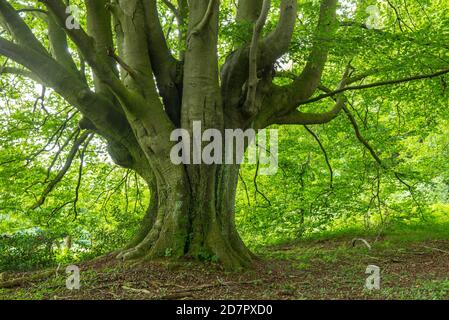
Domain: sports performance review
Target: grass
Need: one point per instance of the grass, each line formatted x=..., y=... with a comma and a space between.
x=413, y=258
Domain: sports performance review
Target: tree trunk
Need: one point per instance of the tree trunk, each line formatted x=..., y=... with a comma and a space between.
x=192, y=209
x=193, y=217
x=137, y=106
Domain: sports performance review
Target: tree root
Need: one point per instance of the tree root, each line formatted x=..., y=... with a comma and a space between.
x=188, y=292
x=18, y=282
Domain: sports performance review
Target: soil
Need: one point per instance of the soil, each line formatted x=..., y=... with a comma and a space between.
x=331, y=269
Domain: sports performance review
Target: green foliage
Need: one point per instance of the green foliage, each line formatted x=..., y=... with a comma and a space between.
x=405, y=124
x=24, y=251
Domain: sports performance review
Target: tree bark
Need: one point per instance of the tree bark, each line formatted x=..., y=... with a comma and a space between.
x=193, y=217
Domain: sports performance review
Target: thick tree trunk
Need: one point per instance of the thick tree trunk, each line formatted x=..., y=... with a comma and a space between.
x=193, y=218
x=192, y=209
x=137, y=107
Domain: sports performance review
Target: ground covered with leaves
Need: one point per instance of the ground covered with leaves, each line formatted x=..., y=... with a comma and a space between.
x=325, y=268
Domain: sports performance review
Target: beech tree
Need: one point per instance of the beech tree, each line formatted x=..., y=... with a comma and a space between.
x=142, y=89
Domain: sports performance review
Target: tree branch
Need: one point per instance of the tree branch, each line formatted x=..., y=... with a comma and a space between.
x=326, y=157
x=235, y=71
x=249, y=10
x=165, y=67
x=78, y=142
x=278, y=41
x=20, y=72
x=376, y=84
x=307, y=82
x=18, y=28
x=362, y=139
x=205, y=20
x=99, y=28
x=253, y=80
x=59, y=45
x=99, y=61
x=302, y=118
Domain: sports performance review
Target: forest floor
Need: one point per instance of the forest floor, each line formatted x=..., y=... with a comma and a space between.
x=324, y=268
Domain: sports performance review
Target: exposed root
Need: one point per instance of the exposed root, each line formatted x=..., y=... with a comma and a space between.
x=21, y=281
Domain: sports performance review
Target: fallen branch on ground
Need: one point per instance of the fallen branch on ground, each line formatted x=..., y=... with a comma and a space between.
x=436, y=249
x=182, y=293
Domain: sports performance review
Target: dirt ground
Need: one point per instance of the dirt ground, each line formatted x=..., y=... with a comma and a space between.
x=327, y=269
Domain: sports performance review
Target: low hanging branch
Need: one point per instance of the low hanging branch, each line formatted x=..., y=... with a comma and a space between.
x=256, y=187
x=72, y=136
x=78, y=142
x=379, y=161
x=362, y=139
x=326, y=157
x=246, y=189
x=80, y=175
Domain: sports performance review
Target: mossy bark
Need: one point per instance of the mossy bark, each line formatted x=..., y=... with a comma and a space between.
x=193, y=219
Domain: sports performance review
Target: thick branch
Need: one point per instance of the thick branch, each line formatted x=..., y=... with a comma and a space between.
x=59, y=45
x=235, y=72
x=100, y=62
x=306, y=84
x=18, y=28
x=278, y=41
x=309, y=118
x=253, y=80
x=249, y=10
x=165, y=67
x=95, y=107
x=298, y=117
x=20, y=72
x=99, y=28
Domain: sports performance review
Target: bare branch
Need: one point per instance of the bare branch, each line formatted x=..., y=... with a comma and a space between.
x=63, y=171
x=326, y=157
x=256, y=186
x=362, y=139
x=80, y=175
x=306, y=84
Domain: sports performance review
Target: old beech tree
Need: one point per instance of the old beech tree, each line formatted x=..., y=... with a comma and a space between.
x=141, y=92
